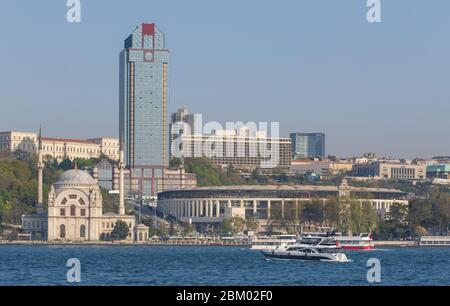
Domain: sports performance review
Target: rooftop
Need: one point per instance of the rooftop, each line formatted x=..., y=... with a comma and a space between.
x=58, y=139
x=75, y=177
x=286, y=188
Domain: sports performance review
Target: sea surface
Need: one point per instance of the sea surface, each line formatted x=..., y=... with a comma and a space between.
x=201, y=265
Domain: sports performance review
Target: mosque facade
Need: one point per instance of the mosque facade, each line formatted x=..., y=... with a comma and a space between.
x=75, y=210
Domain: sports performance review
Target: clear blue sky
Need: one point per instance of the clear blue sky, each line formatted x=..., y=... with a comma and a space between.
x=312, y=65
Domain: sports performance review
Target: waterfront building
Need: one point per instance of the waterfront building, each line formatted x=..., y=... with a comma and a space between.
x=238, y=148
x=143, y=96
x=60, y=148
x=210, y=205
x=390, y=170
x=307, y=145
x=75, y=208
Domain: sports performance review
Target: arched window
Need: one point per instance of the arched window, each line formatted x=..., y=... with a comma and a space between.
x=82, y=231
x=72, y=210
x=62, y=231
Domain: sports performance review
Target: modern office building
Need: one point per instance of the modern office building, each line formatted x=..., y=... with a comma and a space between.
x=390, y=170
x=239, y=149
x=439, y=171
x=180, y=121
x=143, y=95
x=307, y=145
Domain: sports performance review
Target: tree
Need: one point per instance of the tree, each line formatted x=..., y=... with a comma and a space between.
x=432, y=213
x=252, y=224
x=331, y=212
x=120, y=231
x=188, y=229
x=172, y=230
x=344, y=220
x=395, y=225
x=233, y=226
x=369, y=217
x=420, y=231
x=313, y=212
x=355, y=217
x=207, y=174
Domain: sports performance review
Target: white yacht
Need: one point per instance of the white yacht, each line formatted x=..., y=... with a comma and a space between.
x=309, y=248
x=272, y=242
x=362, y=242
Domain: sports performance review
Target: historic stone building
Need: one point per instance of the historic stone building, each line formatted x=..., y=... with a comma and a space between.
x=75, y=209
x=59, y=148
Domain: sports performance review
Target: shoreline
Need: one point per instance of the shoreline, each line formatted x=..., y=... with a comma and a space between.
x=118, y=243
x=377, y=244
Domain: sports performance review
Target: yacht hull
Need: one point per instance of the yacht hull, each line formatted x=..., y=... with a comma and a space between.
x=301, y=256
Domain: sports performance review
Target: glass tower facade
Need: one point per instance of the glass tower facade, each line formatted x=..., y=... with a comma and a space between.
x=307, y=145
x=143, y=96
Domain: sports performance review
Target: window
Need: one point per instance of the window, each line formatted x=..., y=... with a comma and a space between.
x=64, y=201
x=82, y=231
x=81, y=201
x=83, y=212
x=62, y=211
x=72, y=210
x=62, y=231
x=73, y=196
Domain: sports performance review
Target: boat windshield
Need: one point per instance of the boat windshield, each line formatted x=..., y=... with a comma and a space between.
x=329, y=242
x=310, y=241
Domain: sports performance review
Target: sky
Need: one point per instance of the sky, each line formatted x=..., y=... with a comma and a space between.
x=312, y=65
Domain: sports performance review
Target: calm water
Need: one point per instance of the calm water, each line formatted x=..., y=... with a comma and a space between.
x=104, y=265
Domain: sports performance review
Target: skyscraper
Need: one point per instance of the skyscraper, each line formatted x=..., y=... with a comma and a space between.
x=143, y=95
x=306, y=145
x=179, y=122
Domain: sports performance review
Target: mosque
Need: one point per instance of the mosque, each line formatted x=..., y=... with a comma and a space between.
x=75, y=211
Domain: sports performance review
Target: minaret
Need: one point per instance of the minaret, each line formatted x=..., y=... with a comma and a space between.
x=40, y=168
x=121, y=180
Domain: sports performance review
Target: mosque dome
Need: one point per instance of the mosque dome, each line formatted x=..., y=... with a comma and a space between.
x=75, y=177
